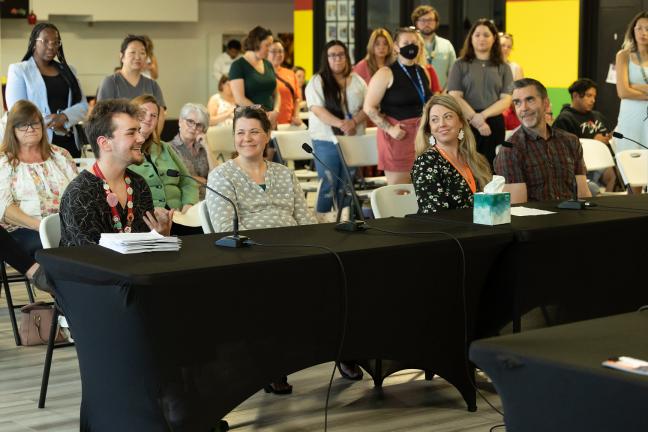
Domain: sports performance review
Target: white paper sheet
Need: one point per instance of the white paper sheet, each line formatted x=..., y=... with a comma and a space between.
x=527, y=211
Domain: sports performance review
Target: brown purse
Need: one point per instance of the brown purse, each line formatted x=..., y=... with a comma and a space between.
x=35, y=324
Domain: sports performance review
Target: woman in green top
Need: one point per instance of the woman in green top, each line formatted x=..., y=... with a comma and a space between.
x=252, y=77
x=178, y=193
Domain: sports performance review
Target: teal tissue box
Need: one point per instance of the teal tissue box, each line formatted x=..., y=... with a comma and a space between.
x=492, y=209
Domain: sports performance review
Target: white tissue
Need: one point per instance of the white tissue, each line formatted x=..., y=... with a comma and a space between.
x=495, y=186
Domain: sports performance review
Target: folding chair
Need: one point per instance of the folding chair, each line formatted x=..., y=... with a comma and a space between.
x=633, y=167
x=11, y=307
x=220, y=140
x=50, y=234
x=598, y=157
x=205, y=221
x=288, y=144
x=393, y=201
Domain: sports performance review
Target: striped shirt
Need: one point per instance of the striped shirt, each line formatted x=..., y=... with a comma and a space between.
x=548, y=167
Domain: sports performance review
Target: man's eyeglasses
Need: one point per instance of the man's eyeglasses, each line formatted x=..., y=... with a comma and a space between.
x=24, y=127
x=50, y=43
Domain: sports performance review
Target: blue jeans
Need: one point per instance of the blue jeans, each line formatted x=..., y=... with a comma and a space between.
x=28, y=239
x=328, y=152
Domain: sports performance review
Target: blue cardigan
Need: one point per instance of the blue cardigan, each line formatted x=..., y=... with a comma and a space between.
x=24, y=81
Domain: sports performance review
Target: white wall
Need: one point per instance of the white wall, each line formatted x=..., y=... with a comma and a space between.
x=185, y=51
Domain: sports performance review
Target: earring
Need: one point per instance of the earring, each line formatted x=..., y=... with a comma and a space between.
x=461, y=135
x=432, y=140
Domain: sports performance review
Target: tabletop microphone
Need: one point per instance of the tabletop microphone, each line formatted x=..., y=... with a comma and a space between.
x=352, y=224
x=233, y=241
x=619, y=135
x=574, y=203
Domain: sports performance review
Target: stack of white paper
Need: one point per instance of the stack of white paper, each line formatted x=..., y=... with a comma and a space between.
x=128, y=243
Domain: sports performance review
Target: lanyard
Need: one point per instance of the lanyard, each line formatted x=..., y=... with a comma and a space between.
x=465, y=172
x=420, y=89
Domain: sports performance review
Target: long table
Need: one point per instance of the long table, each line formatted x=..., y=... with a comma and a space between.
x=586, y=262
x=552, y=379
x=177, y=340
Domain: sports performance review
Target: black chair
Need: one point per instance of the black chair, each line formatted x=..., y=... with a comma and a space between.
x=51, y=346
x=11, y=307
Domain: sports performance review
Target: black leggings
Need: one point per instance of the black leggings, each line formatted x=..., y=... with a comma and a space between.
x=486, y=144
x=13, y=254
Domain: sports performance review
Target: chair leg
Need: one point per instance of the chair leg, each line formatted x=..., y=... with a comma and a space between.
x=48, y=358
x=10, y=305
x=30, y=291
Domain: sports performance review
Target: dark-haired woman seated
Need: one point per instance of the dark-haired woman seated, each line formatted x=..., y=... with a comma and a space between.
x=50, y=85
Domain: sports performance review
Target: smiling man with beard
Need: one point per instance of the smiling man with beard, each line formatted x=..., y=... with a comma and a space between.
x=538, y=162
x=109, y=198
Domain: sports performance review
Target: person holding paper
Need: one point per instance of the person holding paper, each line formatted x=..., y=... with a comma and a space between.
x=448, y=170
x=539, y=162
x=109, y=197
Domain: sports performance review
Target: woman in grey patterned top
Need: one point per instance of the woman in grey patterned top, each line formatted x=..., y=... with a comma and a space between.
x=266, y=194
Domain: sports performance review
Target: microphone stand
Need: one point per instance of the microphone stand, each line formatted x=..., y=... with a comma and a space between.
x=352, y=224
x=574, y=203
x=231, y=241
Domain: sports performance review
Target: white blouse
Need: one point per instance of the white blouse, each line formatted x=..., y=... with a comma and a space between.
x=282, y=203
x=355, y=93
x=36, y=188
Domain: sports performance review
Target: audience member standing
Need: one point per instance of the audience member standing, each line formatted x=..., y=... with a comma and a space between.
x=224, y=60
x=150, y=69
x=33, y=175
x=421, y=60
x=335, y=96
x=632, y=83
x=481, y=83
x=128, y=82
x=252, y=77
x=287, y=86
x=380, y=52
x=300, y=74
x=506, y=45
x=439, y=51
x=394, y=102
x=52, y=86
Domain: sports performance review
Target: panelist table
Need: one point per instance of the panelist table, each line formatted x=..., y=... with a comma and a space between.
x=177, y=340
x=588, y=262
x=552, y=379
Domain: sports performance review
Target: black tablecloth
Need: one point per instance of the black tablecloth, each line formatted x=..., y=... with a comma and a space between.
x=552, y=379
x=585, y=261
x=180, y=339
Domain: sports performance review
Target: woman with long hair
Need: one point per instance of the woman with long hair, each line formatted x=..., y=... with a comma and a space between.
x=394, y=101
x=481, y=81
x=448, y=169
x=380, y=52
x=632, y=83
x=51, y=85
x=168, y=192
x=335, y=96
x=33, y=175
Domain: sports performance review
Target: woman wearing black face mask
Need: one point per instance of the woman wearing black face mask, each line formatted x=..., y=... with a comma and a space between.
x=481, y=82
x=394, y=102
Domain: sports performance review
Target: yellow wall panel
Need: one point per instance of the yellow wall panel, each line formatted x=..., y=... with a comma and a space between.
x=304, y=40
x=545, y=33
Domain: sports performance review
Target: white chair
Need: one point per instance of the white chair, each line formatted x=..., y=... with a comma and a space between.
x=84, y=163
x=291, y=127
x=190, y=218
x=596, y=154
x=394, y=201
x=633, y=167
x=205, y=221
x=360, y=151
x=220, y=140
x=50, y=231
x=289, y=149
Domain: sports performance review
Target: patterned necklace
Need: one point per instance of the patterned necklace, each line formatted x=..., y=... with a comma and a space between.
x=462, y=169
x=112, y=201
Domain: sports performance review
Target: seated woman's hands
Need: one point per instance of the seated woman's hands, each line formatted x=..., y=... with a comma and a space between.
x=160, y=221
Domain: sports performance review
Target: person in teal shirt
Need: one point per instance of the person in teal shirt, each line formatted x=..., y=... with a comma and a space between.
x=178, y=193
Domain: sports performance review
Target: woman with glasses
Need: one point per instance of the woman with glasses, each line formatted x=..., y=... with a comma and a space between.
x=289, y=91
x=394, y=103
x=632, y=84
x=33, y=175
x=252, y=77
x=52, y=86
x=129, y=82
x=481, y=82
x=178, y=193
x=334, y=96
x=267, y=194
x=191, y=142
